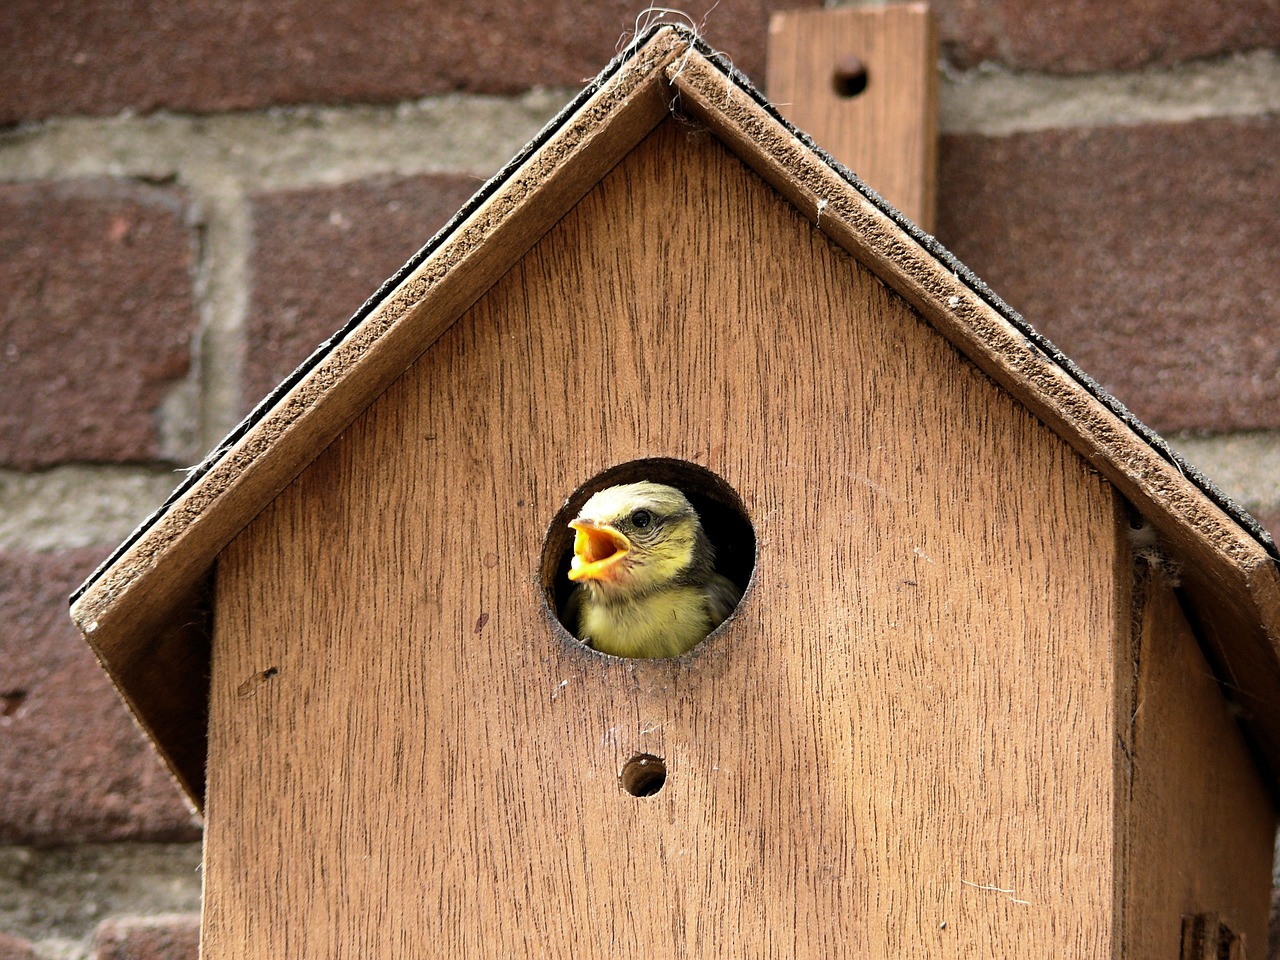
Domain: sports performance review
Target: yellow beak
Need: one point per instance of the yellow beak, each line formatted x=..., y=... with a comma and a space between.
x=597, y=549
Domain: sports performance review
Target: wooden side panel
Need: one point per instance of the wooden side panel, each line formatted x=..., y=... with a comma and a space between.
x=888, y=133
x=1201, y=824
x=901, y=746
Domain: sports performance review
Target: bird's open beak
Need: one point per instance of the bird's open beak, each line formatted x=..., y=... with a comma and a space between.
x=597, y=548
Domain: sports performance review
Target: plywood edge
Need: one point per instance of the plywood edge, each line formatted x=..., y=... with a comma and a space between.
x=141, y=588
x=1132, y=583
x=1241, y=575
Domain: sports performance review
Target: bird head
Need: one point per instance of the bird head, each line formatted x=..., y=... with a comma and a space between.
x=636, y=537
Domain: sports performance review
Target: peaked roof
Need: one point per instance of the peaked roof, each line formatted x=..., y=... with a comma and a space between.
x=142, y=610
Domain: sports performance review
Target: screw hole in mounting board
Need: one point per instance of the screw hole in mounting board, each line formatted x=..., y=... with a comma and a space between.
x=643, y=775
x=849, y=78
x=723, y=516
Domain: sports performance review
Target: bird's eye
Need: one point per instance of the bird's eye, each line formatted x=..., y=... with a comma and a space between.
x=641, y=519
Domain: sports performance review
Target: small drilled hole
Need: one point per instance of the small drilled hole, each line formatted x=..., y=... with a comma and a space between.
x=643, y=775
x=11, y=702
x=850, y=76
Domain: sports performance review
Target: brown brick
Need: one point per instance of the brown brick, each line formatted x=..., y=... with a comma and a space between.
x=73, y=767
x=96, y=321
x=15, y=948
x=319, y=254
x=1073, y=36
x=165, y=937
x=1149, y=254
x=64, y=57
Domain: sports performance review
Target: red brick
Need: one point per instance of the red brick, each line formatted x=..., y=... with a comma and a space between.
x=73, y=767
x=64, y=57
x=96, y=321
x=1147, y=253
x=1072, y=36
x=15, y=948
x=165, y=937
x=319, y=254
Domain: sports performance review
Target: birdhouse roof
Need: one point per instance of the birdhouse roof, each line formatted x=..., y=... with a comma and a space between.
x=142, y=610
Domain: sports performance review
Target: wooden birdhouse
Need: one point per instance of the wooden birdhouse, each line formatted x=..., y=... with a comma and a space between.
x=1003, y=680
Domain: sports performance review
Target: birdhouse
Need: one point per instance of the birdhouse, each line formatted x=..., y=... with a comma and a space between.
x=1002, y=681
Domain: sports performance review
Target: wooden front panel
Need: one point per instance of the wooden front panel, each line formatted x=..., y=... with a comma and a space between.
x=900, y=747
x=1200, y=820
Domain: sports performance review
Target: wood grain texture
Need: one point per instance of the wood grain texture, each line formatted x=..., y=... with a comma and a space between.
x=888, y=133
x=1234, y=585
x=900, y=746
x=1201, y=826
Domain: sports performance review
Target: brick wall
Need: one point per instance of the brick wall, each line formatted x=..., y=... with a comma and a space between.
x=193, y=194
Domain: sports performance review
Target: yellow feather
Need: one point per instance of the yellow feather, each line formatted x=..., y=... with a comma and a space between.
x=663, y=624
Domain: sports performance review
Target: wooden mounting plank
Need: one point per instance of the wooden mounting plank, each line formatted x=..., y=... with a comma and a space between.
x=888, y=132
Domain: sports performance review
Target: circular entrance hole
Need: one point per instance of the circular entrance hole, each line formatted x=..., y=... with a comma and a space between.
x=719, y=508
x=643, y=775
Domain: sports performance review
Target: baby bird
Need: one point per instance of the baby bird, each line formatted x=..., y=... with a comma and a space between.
x=645, y=570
